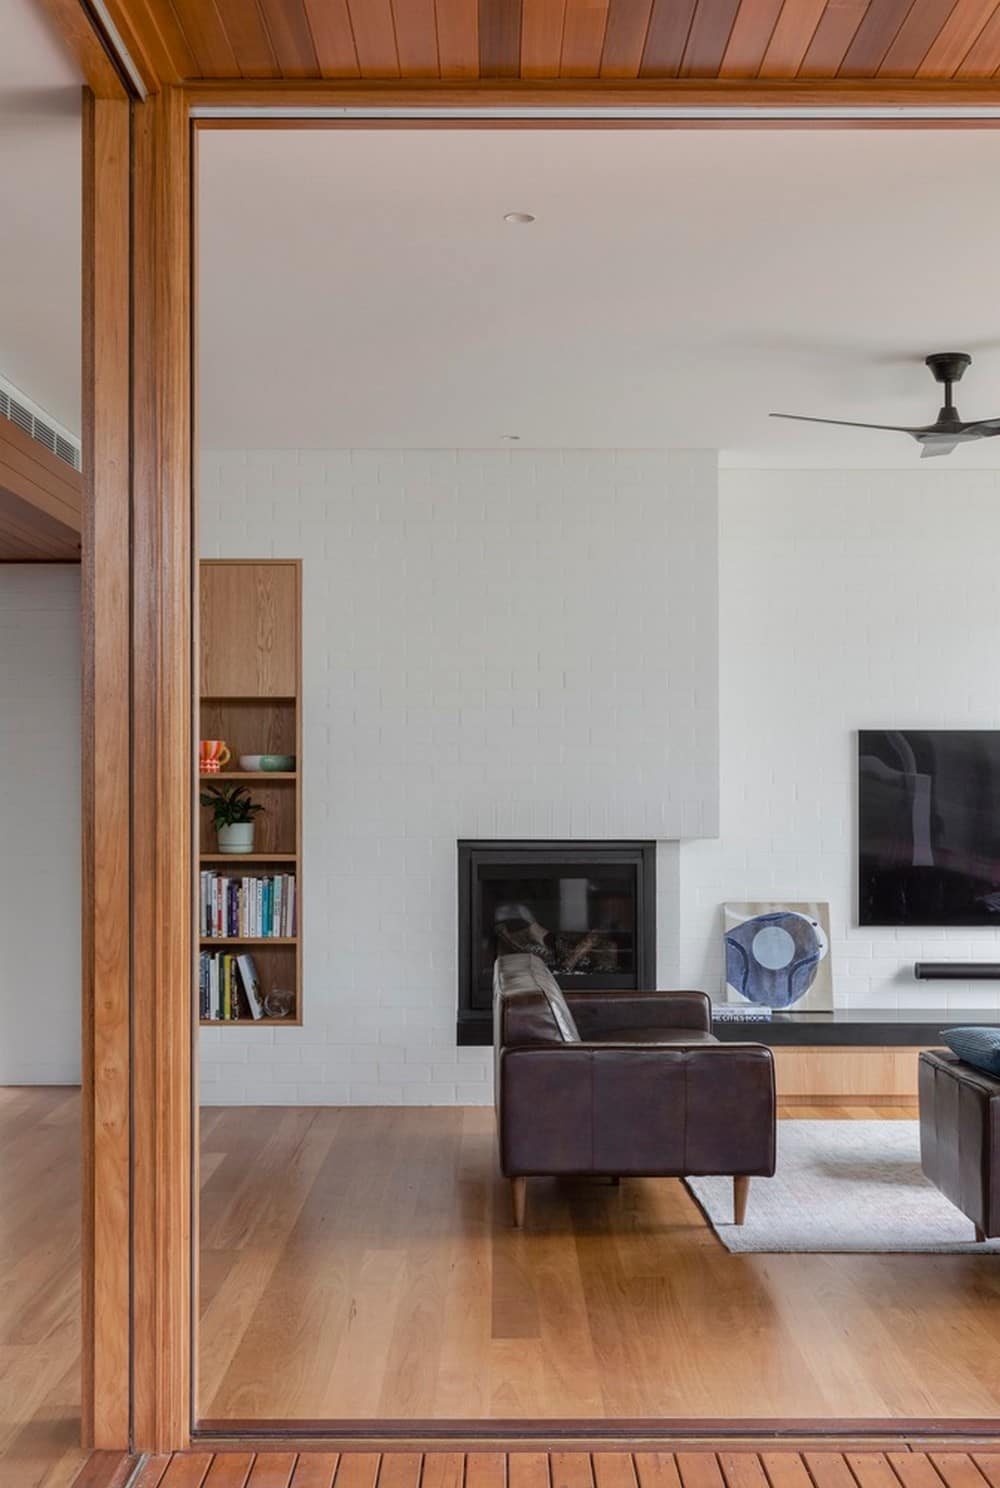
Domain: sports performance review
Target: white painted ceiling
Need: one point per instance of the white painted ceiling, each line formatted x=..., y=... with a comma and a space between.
x=360, y=287
x=39, y=212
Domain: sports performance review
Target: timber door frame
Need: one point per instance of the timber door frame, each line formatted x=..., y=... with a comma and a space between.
x=139, y=1054
x=139, y=606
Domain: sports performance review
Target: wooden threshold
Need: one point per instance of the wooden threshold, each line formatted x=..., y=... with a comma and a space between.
x=470, y=1434
x=106, y=1470
x=711, y=1464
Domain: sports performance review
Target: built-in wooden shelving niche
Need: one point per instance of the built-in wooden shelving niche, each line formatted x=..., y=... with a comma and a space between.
x=250, y=682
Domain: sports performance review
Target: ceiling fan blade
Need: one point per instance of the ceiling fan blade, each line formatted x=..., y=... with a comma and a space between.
x=933, y=447
x=803, y=418
x=948, y=430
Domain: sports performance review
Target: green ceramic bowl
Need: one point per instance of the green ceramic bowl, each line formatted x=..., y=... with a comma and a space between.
x=277, y=762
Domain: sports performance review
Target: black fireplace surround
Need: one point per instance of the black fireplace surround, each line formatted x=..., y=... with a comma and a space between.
x=587, y=908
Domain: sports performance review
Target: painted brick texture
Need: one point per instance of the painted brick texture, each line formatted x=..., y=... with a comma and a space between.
x=848, y=599
x=495, y=645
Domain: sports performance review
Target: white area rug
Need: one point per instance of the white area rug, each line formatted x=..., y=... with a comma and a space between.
x=842, y=1186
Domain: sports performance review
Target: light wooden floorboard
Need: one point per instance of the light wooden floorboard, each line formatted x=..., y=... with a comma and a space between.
x=39, y=1287
x=359, y=1265
x=367, y=1256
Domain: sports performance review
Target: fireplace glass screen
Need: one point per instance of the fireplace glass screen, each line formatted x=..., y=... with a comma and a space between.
x=586, y=909
x=576, y=922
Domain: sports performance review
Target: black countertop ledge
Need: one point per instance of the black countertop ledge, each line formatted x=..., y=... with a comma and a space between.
x=855, y=1028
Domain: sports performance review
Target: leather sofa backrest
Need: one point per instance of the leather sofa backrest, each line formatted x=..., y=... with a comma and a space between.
x=529, y=1005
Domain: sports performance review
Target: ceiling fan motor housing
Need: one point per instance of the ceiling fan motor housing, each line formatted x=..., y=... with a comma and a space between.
x=948, y=366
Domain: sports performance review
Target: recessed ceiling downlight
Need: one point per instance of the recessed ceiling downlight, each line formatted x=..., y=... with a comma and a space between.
x=520, y=217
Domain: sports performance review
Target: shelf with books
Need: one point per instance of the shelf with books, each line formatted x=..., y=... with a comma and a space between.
x=250, y=672
x=254, y=857
x=264, y=1022
x=246, y=981
x=266, y=940
x=253, y=906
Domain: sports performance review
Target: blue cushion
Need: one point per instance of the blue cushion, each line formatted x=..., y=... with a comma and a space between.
x=977, y=1046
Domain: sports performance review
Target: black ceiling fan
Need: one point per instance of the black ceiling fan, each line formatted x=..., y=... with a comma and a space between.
x=947, y=430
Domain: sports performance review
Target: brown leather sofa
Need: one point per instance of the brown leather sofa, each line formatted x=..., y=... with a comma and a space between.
x=595, y=1083
x=960, y=1136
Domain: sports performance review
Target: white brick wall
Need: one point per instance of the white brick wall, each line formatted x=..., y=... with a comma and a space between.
x=460, y=682
x=848, y=599
x=40, y=824
x=495, y=645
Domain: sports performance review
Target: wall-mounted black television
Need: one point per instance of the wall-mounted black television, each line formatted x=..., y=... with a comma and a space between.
x=929, y=827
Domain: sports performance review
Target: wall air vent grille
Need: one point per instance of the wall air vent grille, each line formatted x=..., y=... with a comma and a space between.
x=38, y=426
x=20, y=416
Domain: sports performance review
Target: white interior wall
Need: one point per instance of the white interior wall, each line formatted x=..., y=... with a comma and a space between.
x=495, y=645
x=848, y=599
x=40, y=818
x=526, y=645
x=845, y=600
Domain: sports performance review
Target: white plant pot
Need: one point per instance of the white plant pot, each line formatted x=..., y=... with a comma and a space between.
x=237, y=838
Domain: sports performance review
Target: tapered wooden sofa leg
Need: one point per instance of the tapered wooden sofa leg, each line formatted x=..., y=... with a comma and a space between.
x=741, y=1193
x=519, y=1196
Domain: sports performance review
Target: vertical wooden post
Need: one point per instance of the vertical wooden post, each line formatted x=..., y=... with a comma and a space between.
x=106, y=746
x=138, y=750
x=162, y=774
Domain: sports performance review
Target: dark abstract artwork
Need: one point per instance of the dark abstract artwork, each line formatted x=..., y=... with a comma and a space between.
x=929, y=827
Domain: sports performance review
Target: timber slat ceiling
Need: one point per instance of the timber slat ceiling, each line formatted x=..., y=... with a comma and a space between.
x=539, y=40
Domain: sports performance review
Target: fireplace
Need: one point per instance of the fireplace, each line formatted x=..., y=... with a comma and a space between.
x=587, y=908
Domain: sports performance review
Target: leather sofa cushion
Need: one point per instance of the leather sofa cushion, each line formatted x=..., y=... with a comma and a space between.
x=526, y=978
x=655, y=1035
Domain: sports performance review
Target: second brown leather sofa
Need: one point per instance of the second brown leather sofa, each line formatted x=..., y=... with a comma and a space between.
x=960, y=1136
x=623, y=1083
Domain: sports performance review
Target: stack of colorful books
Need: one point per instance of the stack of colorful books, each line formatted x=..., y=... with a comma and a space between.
x=247, y=907
x=229, y=987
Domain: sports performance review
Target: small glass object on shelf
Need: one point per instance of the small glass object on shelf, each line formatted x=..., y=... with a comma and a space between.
x=279, y=1003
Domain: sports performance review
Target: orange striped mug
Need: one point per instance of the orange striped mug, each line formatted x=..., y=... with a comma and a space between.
x=213, y=755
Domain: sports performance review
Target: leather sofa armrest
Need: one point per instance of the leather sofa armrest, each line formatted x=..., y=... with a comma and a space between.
x=601, y=1013
x=972, y=1077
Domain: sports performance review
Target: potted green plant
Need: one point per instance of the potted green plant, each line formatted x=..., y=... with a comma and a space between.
x=233, y=812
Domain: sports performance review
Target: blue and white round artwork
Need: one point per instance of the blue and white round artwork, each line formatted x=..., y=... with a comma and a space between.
x=772, y=959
